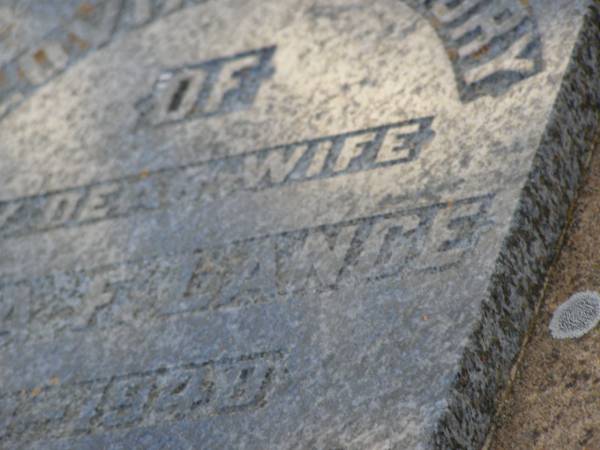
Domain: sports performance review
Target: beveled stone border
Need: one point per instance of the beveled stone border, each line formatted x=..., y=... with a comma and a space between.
x=529, y=248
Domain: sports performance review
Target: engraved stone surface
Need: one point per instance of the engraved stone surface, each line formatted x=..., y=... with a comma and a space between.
x=272, y=224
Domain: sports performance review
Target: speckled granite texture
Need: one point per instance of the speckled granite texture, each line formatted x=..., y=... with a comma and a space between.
x=273, y=224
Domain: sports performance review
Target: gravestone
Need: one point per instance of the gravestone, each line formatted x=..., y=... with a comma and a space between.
x=274, y=224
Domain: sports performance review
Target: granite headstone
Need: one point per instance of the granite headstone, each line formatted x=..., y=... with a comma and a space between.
x=278, y=224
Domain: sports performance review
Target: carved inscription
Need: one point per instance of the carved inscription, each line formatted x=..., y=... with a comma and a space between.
x=492, y=44
x=167, y=394
x=93, y=26
x=207, y=89
x=256, y=170
x=265, y=269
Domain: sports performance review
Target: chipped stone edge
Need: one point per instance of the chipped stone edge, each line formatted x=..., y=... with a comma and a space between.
x=529, y=248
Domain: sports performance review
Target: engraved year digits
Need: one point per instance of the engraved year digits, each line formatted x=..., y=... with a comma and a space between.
x=186, y=392
x=210, y=88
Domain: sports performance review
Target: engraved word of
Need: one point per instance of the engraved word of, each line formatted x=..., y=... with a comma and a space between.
x=207, y=89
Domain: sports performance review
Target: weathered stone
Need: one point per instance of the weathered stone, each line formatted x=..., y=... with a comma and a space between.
x=275, y=224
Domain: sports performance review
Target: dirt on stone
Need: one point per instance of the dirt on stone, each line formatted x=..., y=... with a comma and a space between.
x=554, y=401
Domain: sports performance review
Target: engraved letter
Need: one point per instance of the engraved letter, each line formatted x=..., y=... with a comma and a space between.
x=353, y=148
x=124, y=402
x=60, y=208
x=390, y=149
x=183, y=391
x=320, y=153
x=382, y=251
x=253, y=278
x=276, y=164
x=508, y=61
x=322, y=255
x=177, y=95
x=455, y=230
x=99, y=203
x=242, y=385
x=239, y=81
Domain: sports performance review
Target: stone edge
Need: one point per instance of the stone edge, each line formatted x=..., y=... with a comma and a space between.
x=529, y=249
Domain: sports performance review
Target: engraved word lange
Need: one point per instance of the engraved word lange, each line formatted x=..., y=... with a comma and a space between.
x=259, y=270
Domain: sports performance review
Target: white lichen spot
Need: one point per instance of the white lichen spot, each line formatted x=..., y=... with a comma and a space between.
x=577, y=316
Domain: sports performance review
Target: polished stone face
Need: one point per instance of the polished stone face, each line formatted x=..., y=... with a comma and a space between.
x=277, y=224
